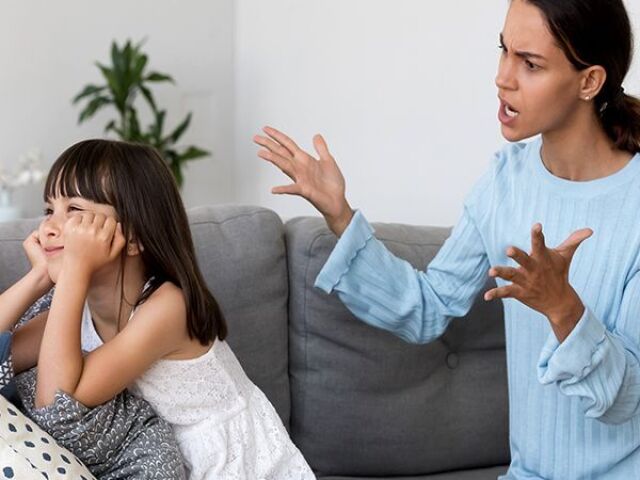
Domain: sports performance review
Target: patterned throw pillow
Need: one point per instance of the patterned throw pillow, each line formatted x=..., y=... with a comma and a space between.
x=27, y=452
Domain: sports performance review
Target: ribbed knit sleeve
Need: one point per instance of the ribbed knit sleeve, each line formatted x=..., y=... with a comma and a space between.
x=599, y=366
x=387, y=292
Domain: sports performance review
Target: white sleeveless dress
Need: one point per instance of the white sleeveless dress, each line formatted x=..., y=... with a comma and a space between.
x=225, y=426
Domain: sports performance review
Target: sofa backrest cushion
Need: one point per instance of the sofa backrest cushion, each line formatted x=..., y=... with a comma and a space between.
x=241, y=252
x=364, y=402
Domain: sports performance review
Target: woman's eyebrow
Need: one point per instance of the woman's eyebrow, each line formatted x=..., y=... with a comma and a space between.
x=522, y=53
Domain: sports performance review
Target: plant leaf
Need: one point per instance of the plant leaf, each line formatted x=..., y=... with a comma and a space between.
x=177, y=133
x=138, y=68
x=111, y=126
x=191, y=154
x=158, y=77
x=119, y=97
x=93, y=106
x=88, y=90
x=146, y=93
x=156, y=128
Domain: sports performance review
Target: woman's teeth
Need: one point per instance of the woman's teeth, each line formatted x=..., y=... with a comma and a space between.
x=511, y=113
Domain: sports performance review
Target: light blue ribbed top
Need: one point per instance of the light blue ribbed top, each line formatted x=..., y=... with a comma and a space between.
x=574, y=407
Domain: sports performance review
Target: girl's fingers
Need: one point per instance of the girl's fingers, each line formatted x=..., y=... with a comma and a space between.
x=538, y=246
x=119, y=241
x=272, y=146
x=507, y=273
x=282, y=139
x=292, y=189
x=283, y=164
x=520, y=257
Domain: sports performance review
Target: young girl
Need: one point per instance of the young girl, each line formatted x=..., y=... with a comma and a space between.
x=128, y=289
x=572, y=316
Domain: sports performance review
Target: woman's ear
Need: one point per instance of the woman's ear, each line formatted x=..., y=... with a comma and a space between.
x=593, y=79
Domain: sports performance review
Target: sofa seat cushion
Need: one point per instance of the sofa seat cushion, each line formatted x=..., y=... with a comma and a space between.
x=476, y=474
x=364, y=402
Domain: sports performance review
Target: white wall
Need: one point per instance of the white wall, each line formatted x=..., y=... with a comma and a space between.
x=402, y=90
x=47, y=54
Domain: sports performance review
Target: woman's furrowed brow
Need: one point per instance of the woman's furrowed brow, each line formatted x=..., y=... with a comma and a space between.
x=523, y=53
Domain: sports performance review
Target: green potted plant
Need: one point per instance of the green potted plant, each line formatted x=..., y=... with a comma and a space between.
x=127, y=80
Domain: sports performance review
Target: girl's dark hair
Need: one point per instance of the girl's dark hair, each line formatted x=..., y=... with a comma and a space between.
x=598, y=32
x=136, y=181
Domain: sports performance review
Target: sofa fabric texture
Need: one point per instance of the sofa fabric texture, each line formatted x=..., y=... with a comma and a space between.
x=359, y=402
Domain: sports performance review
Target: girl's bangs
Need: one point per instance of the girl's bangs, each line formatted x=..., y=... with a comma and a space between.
x=76, y=176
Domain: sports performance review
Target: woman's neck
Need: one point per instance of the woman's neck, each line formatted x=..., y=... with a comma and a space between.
x=110, y=302
x=582, y=151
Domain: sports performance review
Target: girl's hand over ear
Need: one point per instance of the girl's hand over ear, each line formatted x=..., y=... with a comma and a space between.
x=317, y=180
x=91, y=240
x=542, y=280
x=35, y=253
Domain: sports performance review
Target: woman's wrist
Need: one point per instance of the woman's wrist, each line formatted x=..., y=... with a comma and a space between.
x=564, y=319
x=339, y=222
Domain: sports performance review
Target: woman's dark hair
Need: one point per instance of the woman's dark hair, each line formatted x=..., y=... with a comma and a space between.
x=598, y=32
x=136, y=181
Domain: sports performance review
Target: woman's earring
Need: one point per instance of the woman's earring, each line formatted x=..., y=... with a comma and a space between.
x=587, y=98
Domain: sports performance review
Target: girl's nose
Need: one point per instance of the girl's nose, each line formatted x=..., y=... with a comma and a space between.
x=51, y=227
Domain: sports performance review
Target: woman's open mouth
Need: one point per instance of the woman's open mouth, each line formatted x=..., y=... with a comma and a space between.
x=507, y=114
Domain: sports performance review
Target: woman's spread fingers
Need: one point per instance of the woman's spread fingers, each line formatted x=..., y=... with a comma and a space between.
x=321, y=147
x=283, y=164
x=500, y=292
x=282, y=139
x=537, y=240
x=520, y=257
x=272, y=146
x=507, y=273
x=291, y=189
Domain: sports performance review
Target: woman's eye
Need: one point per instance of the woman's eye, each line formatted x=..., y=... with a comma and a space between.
x=531, y=66
x=48, y=211
x=73, y=208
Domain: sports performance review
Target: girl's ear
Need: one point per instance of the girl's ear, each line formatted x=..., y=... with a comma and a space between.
x=134, y=247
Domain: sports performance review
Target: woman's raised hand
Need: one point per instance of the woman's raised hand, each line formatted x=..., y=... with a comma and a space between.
x=318, y=180
x=541, y=281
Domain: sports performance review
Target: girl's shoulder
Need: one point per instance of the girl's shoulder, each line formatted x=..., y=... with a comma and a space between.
x=165, y=308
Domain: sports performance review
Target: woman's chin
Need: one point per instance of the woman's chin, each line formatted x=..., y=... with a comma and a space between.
x=512, y=135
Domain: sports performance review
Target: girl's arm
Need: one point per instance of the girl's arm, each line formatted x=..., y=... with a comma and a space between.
x=92, y=241
x=158, y=325
x=25, y=345
x=20, y=296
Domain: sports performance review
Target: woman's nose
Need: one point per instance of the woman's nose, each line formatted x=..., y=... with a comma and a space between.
x=505, y=80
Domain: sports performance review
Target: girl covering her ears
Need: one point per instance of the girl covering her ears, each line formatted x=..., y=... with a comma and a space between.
x=572, y=315
x=128, y=290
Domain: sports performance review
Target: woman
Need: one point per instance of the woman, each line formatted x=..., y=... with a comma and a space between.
x=572, y=315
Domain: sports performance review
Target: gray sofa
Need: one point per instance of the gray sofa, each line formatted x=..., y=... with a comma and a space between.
x=359, y=402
